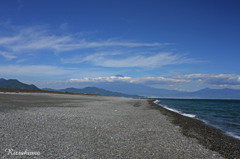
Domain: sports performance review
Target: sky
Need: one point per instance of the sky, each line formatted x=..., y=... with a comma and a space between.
x=183, y=45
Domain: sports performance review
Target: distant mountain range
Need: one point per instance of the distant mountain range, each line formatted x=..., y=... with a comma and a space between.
x=128, y=89
x=215, y=93
x=94, y=90
x=142, y=90
x=13, y=83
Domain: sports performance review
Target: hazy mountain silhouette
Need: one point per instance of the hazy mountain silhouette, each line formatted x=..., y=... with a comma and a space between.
x=142, y=90
x=94, y=90
x=13, y=83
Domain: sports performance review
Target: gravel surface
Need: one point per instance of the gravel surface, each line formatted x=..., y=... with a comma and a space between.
x=84, y=126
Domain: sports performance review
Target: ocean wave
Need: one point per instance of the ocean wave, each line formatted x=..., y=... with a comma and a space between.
x=233, y=135
x=209, y=119
x=157, y=101
x=174, y=110
x=189, y=115
x=221, y=128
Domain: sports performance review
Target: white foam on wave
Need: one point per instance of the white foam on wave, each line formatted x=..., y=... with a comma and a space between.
x=220, y=128
x=206, y=122
x=179, y=112
x=174, y=110
x=156, y=101
x=189, y=115
x=233, y=135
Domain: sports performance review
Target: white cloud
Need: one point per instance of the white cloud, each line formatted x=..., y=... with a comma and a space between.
x=140, y=80
x=32, y=39
x=26, y=41
x=33, y=70
x=48, y=72
x=8, y=40
x=223, y=80
x=23, y=42
x=35, y=38
x=7, y=55
x=216, y=80
x=102, y=79
x=114, y=60
x=83, y=44
x=157, y=80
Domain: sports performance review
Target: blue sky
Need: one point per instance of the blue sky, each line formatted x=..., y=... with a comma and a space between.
x=182, y=45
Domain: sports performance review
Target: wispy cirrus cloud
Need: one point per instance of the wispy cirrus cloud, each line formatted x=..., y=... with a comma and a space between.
x=48, y=72
x=83, y=44
x=7, y=55
x=8, y=40
x=33, y=39
x=75, y=48
x=115, y=60
x=34, y=70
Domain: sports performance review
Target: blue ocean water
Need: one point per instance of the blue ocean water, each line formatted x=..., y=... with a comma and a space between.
x=222, y=114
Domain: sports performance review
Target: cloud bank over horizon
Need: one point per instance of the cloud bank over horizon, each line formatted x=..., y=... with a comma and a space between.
x=176, y=82
x=221, y=80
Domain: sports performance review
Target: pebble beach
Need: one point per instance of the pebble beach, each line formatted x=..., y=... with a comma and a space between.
x=45, y=125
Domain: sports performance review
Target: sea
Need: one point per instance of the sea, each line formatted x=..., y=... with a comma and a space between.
x=221, y=114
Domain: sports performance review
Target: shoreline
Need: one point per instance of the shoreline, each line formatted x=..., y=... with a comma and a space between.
x=193, y=116
x=208, y=136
